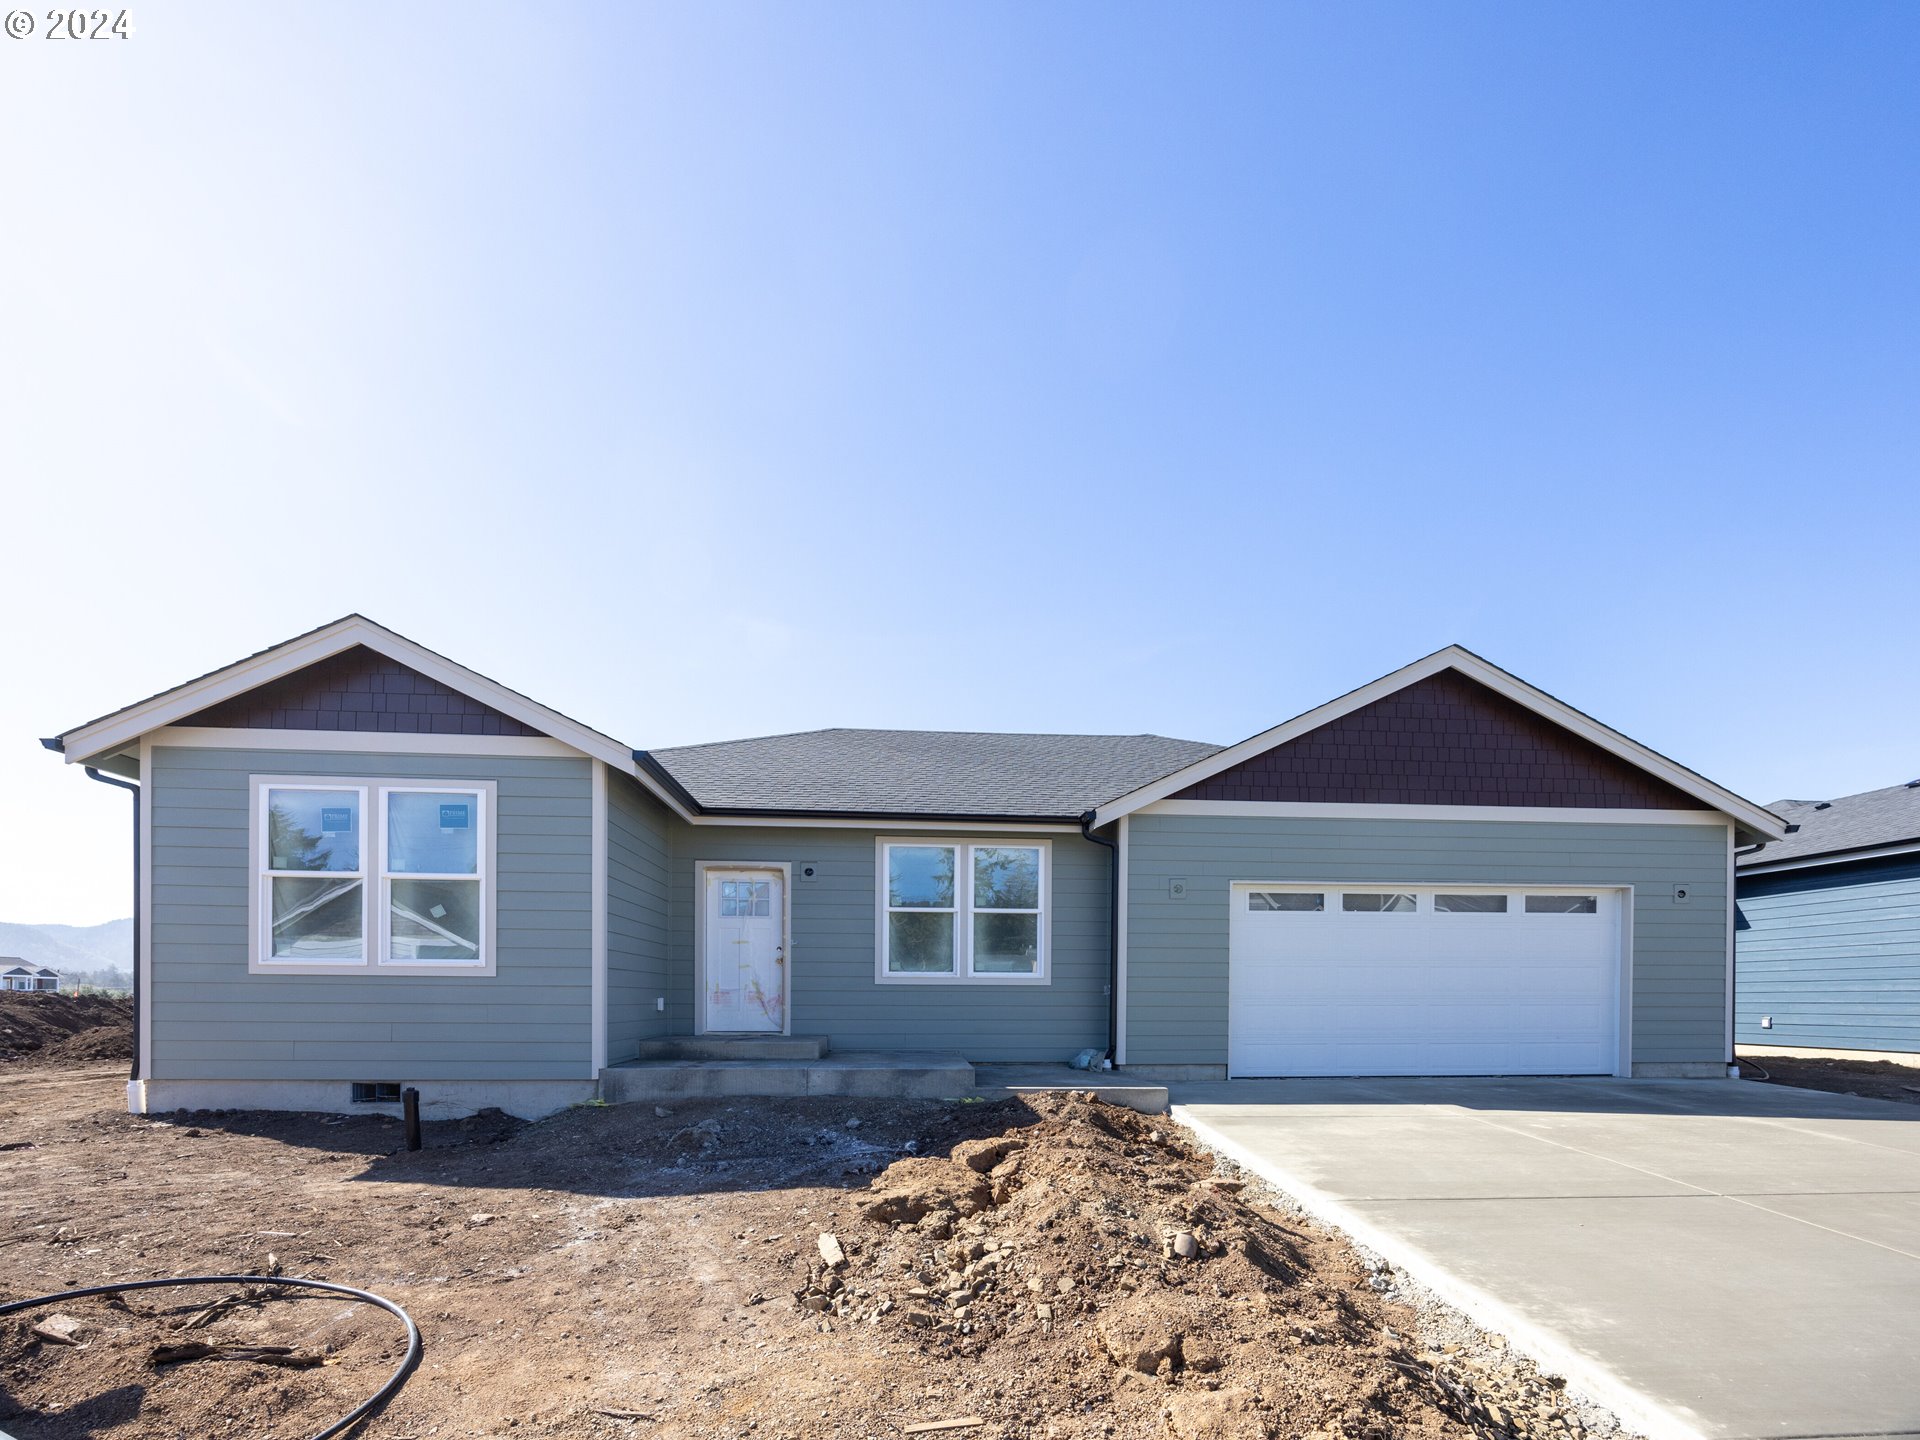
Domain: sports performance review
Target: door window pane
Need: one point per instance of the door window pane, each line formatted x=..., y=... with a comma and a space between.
x=1285, y=900
x=1006, y=944
x=317, y=919
x=313, y=829
x=433, y=832
x=1470, y=904
x=1006, y=877
x=1357, y=903
x=740, y=898
x=1563, y=904
x=920, y=876
x=920, y=944
x=435, y=920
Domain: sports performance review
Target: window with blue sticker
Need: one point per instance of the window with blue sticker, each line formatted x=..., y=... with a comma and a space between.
x=431, y=833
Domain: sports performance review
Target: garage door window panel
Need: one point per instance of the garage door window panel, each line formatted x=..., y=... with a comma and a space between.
x=1360, y=902
x=1446, y=904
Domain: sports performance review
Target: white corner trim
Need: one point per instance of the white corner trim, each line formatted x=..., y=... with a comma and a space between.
x=1494, y=678
x=201, y=737
x=1120, y=942
x=145, y=1018
x=1732, y=907
x=600, y=858
x=1316, y=810
x=112, y=731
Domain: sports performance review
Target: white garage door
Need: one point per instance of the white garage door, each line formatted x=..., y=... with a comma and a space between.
x=1423, y=980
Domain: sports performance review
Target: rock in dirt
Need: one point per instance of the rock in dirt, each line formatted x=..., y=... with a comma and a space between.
x=831, y=1251
x=60, y=1329
x=908, y=1190
x=983, y=1155
x=1231, y=1413
x=1136, y=1335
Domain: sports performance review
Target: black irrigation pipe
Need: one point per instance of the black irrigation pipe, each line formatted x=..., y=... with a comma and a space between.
x=339, y=1427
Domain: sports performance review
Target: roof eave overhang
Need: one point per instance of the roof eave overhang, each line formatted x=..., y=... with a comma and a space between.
x=114, y=733
x=1828, y=858
x=1748, y=818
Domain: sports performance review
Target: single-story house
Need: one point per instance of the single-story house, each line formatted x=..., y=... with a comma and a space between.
x=1827, y=935
x=18, y=975
x=362, y=864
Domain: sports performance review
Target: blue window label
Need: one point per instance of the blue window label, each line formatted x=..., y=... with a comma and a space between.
x=336, y=820
x=455, y=817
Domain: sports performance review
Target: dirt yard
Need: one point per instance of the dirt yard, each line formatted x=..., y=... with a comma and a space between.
x=1875, y=1079
x=42, y=1028
x=1056, y=1270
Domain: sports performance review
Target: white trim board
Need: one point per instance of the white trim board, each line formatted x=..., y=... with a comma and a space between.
x=600, y=861
x=110, y=732
x=202, y=737
x=145, y=958
x=1538, y=814
x=1125, y=873
x=1454, y=657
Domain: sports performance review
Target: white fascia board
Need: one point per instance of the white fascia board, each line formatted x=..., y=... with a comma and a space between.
x=358, y=742
x=803, y=822
x=113, y=731
x=1327, y=810
x=1839, y=857
x=1749, y=815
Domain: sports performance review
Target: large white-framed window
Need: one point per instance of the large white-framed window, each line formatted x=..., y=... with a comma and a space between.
x=372, y=876
x=963, y=912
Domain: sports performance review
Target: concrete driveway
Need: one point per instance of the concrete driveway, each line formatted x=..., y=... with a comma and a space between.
x=1709, y=1258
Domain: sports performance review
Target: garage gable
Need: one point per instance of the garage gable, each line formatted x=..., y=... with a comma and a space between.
x=1449, y=733
x=1442, y=740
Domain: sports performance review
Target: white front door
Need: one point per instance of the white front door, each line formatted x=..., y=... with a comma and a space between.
x=1424, y=980
x=746, y=951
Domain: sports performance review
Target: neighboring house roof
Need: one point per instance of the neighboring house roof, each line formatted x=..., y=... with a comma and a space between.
x=1853, y=827
x=38, y=971
x=922, y=772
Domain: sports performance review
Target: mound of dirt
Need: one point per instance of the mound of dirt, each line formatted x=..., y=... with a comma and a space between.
x=50, y=1028
x=1099, y=1256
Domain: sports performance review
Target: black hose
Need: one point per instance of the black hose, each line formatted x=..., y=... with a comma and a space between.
x=339, y=1427
x=1745, y=1060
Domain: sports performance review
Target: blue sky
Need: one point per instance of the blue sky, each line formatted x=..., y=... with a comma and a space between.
x=714, y=370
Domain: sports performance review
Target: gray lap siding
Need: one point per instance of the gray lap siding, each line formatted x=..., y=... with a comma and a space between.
x=831, y=954
x=640, y=969
x=1177, y=948
x=212, y=1020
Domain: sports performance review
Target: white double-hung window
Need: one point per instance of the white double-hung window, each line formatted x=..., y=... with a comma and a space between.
x=957, y=911
x=393, y=876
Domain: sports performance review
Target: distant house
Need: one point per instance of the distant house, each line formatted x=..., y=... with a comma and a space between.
x=1827, y=932
x=18, y=975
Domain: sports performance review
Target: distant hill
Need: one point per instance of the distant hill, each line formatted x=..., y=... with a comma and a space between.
x=84, y=953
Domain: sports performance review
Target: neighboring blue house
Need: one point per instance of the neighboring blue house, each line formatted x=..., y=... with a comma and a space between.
x=362, y=866
x=1828, y=932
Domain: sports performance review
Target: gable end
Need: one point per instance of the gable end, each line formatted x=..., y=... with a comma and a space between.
x=359, y=689
x=1442, y=740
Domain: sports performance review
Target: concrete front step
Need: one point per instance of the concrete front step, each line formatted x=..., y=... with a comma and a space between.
x=734, y=1047
x=872, y=1074
x=997, y=1082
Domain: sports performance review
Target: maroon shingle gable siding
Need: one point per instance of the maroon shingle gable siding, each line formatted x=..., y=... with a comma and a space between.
x=360, y=690
x=1445, y=740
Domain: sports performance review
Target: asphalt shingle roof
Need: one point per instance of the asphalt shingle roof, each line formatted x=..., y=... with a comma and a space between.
x=924, y=772
x=1852, y=822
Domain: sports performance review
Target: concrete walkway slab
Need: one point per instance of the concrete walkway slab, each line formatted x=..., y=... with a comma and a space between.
x=1710, y=1258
